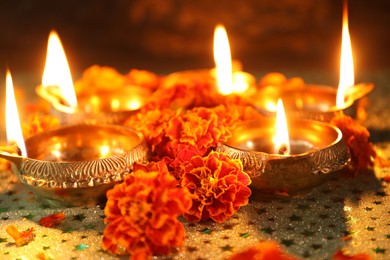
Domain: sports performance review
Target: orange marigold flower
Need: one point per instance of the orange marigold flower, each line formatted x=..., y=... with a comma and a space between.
x=279, y=80
x=153, y=125
x=356, y=137
x=185, y=95
x=266, y=250
x=51, y=220
x=99, y=78
x=176, y=97
x=341, y=256
x=219, y=185
x=201, y=127
x=38, y=123
x=142, y=213
x=21, y=238
x=177, y=153
x=143, y=78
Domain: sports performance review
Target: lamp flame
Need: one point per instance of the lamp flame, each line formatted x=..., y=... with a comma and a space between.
x=223, y=61
x=281, y=139
x=347, y=77
x=13, y=128
x=57, y=72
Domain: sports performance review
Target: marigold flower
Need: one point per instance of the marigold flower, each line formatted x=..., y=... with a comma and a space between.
x=99, y=78
x=51, y=220
x=152, y=124
x=177, y=153
x=201, y=127
x=38, y=123
x=356, y=137
x=341, y=256
x=143, y=78
x=185, y=95
x=279, y=80
x=21, y=238
x=219, y=185
x=142, y=213
x=266, y=250
x=177, y=97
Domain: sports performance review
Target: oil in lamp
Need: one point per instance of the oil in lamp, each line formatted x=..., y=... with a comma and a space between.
x=281, y=159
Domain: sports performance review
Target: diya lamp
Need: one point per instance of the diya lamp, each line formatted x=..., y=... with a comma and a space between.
x=281, y=160
x=109, y=106
x=320, y=102
x=72, y=165
x=234, y=80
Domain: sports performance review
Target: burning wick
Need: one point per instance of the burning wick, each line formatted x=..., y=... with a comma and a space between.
x=11, y=149
x=281, y=138
x=283, y=150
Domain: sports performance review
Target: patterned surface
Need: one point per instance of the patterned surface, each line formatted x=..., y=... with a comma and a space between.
x=313, y=225
x=353, y=214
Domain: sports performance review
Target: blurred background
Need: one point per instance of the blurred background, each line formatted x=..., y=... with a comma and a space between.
x=177, y=34
x=299, y=38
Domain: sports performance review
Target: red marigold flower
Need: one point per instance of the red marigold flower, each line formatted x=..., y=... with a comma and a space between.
x=177, y=153
x=219, y=184
x=341, y=256
x=266, y=250
x=21, y=238
x=142, y=213
x=51, y=220
x=356, y=137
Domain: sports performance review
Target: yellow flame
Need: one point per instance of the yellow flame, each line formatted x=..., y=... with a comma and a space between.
x=240, y=83
x=347, y=77
x=115, y=104
x=270, y=106
x=281, y=138
x=223, y=61
x=13, y=128
x=57, y=71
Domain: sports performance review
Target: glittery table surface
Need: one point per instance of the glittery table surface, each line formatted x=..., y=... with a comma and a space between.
x=352, y=214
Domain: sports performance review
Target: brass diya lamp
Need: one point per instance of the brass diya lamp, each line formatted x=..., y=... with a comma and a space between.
x=311, y=101
x=75, y=165
x=110, y=105
x=72, y=165
x=312, y=152
x=321, y=102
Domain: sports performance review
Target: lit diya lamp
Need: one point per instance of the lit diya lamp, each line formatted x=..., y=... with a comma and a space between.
x=73, y=165
x=234, y=81
x=316, y=101
x=102, y=106
x=282, y=160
